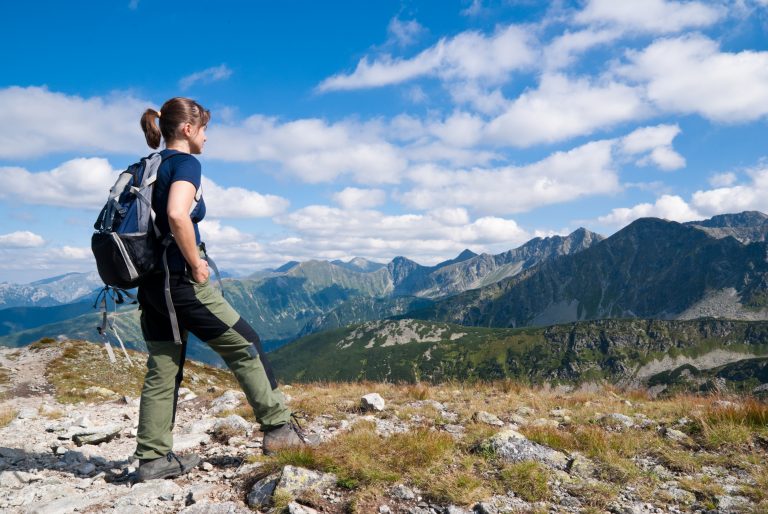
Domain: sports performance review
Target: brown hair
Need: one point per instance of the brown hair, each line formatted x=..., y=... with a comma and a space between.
x=173, y=114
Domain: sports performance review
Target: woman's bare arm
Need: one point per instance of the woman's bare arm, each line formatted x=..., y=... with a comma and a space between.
x=180, y=198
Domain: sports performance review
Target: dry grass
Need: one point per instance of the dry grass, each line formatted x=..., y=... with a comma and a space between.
x=6, y=416
x=82, y=365
x=529, y=480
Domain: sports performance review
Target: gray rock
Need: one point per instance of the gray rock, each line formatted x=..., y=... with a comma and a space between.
x=233, y=424
x=384, y=509
x=297, y=508
x=100, y=391
x=512, y=446
x=228, y=401
x=144, y=493
x=17, y=479
x=524, y=410
x=200, y=426
x=616, y=419
x=487, y=418
x=86, y=468
x=295, y=480
x=96, y=435
x=401, y=492
x=67, y=503
x=676, y=435
x=372, y=402
x=207, y=466
x=27, y=413
x=185, y=442
x=198, y=492
x=261, y=492
x=453, y=509
x=216, y=508
x=83, y=421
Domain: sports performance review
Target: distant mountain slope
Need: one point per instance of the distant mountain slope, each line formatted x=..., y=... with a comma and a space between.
x=651, y=268
x=16, y=319
x=50, y=291
x=627, y=351
x=747, y=227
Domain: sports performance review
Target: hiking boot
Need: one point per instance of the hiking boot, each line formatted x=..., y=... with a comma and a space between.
x=289, y=435
x=167, y=467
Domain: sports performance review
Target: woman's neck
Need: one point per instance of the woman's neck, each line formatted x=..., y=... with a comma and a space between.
x=180, y=145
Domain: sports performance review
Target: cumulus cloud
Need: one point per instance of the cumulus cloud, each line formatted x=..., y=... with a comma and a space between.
x=352, y=198
x=206, y=76
x=404, y=32
x=468, y=56
x=561, y=108
x=311, y=149
x=670, y=207
x=691, y=75
x=656, y=144
x=39, y=122
x=332, y=232
x=21, y=239
x=79, y=183
x=563, y=176
x=654, y=16
x=722, y=179
x=563, y=50
x=236, y=202
x=752, y=196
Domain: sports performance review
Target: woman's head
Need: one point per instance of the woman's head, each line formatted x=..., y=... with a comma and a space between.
x=180, y=119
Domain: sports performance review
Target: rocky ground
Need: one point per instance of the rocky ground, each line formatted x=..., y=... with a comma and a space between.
x=379, y=448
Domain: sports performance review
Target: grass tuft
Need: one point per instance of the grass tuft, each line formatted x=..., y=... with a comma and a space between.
x=6, y=416
x=528, y=479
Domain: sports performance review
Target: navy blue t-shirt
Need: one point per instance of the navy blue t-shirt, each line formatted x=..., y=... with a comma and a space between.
x=182, y=167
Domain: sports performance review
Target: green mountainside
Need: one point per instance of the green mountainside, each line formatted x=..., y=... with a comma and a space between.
x=652, y=269
x=629, y=352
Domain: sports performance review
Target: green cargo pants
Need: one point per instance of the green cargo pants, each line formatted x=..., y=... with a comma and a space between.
x=201, y=310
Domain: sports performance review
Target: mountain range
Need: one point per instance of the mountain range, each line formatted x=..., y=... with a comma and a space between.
x=652, y=268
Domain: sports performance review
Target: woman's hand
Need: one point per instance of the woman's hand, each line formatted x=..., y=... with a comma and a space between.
x=200, y=272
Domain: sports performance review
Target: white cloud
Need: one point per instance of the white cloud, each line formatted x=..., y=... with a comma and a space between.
x=73, y=253
x=656, y=140
x=562, y=108
x=475, y=8
x=78, y=183
x=691, y=75
x=329, y=232
x=352, y=198
x=723, y=179
x=311, y=149
x=703, y=203
x=484, y=100
x=749, y=197
x=461, y=129
x=21, y=239
x=670, y=207
x=655, y=16
x=39, y=122
x=563, y=50
x=236, y=202
x=467, y=56
x=404, y=33
x=561, y=177
x=206, y=76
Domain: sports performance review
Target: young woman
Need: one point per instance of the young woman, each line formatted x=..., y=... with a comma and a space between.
x=199, y=308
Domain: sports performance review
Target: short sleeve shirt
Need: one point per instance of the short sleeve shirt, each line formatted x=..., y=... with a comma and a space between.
x=181, y=167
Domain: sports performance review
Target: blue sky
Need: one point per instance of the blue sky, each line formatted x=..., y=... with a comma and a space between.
x=377, y=129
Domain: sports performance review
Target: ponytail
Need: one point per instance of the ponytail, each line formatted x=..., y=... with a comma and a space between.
x=175, y=112
x=150, y=128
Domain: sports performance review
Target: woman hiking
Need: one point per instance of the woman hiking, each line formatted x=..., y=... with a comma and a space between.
x=200, y=309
